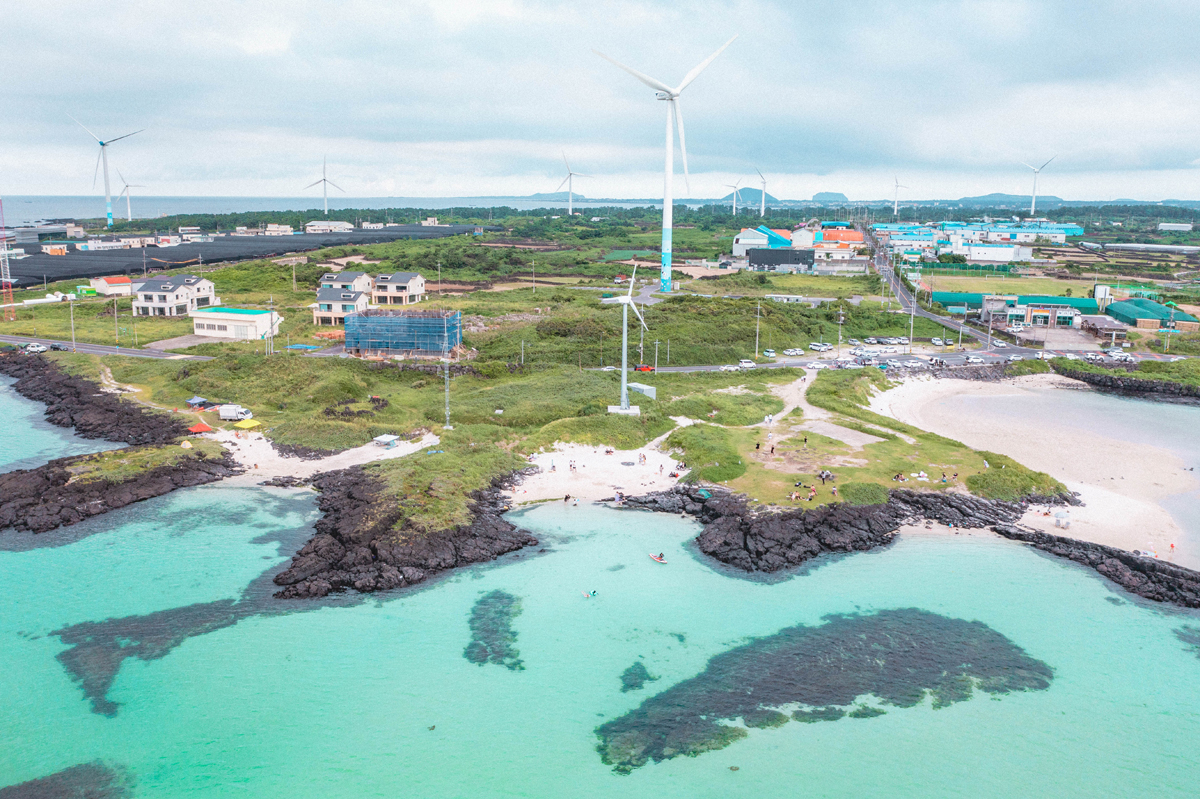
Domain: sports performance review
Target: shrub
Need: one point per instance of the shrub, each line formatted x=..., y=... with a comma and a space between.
x=1007, y=480
x=709, y=452
x=863, y=493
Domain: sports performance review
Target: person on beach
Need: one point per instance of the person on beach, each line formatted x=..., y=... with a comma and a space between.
x=772, y=450
x=567, y=498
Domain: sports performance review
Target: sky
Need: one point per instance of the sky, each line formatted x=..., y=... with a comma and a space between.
x=465, y=98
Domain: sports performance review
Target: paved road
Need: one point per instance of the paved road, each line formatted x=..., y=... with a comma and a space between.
x=104, y=349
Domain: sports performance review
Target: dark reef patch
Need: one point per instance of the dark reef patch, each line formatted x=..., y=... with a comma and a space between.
x=1190, y=636
x=899, y=656
x=635, y=677
x=94, y=780
x=493, y=639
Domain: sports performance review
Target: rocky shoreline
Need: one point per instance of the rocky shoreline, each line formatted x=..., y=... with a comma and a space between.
x=1162, y=390
x=84, y=405
x=41, y=499
x=1147, y=577
x=356, y=547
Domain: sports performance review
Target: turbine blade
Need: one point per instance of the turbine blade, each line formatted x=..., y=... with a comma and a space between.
x=678, y=112
x=336, y=186
x=632, y=277
x=1043, y=166
x=1034, y=168
x=122, y=177
x=96, y=173
x=634, y=306
x=646, y=79
x=564, y=155
x=126, y=136
x=80, y=124
x=691, y=76
x=576, y=174
x=317, y=183
x=560, y=185
x=760, y=174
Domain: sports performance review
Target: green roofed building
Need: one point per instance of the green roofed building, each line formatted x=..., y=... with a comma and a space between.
x=1025, y=309
x=1144, y=313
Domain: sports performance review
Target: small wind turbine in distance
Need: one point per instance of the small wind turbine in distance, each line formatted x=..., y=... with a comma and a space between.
x=125, y=190
x=103, y=157
x=567, y=181
x=626, y=302
x=325, y=183
x=734, y=186
x=671, y=96
x=896, y=201
x=1037, y=170
x=762, y=201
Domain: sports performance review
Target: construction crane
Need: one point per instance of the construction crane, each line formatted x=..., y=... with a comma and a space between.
x=6, y=292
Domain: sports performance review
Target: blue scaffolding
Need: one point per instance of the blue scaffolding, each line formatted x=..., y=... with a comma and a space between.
x=394, y=332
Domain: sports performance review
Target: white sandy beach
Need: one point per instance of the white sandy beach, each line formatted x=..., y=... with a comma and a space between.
x=261, y=461
x=596, y=475
x=1120, y=483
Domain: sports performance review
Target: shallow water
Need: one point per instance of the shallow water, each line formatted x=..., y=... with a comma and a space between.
x=28, y=440
x=381, y=696
x=1170, y=426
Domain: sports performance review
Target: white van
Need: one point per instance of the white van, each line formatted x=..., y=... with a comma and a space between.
x=234, y=413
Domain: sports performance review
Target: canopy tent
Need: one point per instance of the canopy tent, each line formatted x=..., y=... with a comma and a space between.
x=200, y=427
x=386, y=438
x=247, y=424
x=197, y=401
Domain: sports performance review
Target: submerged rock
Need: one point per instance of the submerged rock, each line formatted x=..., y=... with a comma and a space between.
x=95, y=780
x=493, y=639
x=635, y=677
x=898, y=656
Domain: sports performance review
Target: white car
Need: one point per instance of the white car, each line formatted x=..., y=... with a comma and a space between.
x=999, y=345
x=855, y=341
x=746, y=363
x=608, y=369
x=768, y=353
x=902, y=340
x=1015, y=358
x=1070, y=356
x=937, y=342
x=818, y=365
x=870, y=341
x=36, y=348
x=974, y=359
x=729, y=368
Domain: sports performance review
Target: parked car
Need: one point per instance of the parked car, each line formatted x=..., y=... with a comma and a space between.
x=902, y=340
x=818, y=365
x=746, y=363
x=855, y=341
x=59, y=346
x=1070, y=356
x=1016, y=358
x=870, y=341
x=729, y=367
x=643, y=367
x=768, y=353
x=937, y=342
x=999, y=345
x=36, y=348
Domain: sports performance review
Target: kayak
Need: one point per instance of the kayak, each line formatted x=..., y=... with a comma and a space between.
x=657, y=558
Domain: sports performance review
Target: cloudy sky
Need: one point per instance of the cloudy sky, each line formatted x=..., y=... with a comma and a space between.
x=467, y=98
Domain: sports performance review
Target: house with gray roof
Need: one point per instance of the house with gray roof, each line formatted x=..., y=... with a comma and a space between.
x=177, y=295
x=398, y=288
x=334, y=304
x=347, y=281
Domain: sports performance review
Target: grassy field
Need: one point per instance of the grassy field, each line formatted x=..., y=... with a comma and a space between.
x=117, y=465
x=1046, y=286
x=1183, y=372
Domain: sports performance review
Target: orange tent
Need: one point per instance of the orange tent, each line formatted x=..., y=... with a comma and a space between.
x=200, y=427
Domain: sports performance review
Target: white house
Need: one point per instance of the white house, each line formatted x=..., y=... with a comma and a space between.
x=398, y=288
x=347, y=281
x=372, y=226
x=328, y=226
x=173, y=296
x=116, y=285
x=748, y=239
x=235, y=323
x=334, y=303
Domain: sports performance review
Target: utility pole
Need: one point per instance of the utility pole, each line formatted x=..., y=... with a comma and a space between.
x=447, y=426
x=757, y=322
x=144, y=263
x=641, y=344
x=656, y=356
x=116, y=331
x=668, y=352
x=72, y=325
x=533, y=266
x=293, y=277
x=522, y=352
x=439, y=278
x=842, y=318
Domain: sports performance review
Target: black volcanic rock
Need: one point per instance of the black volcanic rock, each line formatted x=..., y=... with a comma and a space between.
x=357, y=547
x=95, y=780
x=80, y=403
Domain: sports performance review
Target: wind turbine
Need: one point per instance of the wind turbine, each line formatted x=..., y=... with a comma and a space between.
x=325, y=183
x=103, y=156
x=1037, y=170
x=570, y=186
x=626, y=302
x=762, y=201
x=671, y=96
x=734, y=186
x=896, y=201
x=125, y=191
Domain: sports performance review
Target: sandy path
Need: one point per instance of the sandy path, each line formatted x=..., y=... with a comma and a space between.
x=262, y=462
x=1120, y=483
x=596, y=474
x=815, y=420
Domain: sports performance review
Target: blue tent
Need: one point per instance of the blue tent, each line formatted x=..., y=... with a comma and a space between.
x=197, y=401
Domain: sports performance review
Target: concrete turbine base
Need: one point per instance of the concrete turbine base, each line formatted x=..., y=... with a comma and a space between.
x=632, y=410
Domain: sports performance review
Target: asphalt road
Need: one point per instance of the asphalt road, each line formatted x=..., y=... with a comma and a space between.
x=104, y=349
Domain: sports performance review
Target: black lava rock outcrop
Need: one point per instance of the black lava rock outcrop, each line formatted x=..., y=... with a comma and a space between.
x=41, y=499
x=1147, y=577
x=80, y=403
x=356, y=545
x=1135, y=386
x=768, y=540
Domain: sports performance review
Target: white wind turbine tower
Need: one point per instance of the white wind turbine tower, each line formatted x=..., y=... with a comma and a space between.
x=735, y=194
x=103, y=157
x=325, y=183
x=626, y=303
x=125, y=190
x=567, y=181
x=762, y=202
x=1037, y=170
x=896, y=201
x=671, y=96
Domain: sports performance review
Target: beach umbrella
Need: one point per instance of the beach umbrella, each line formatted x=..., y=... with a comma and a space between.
x=247, y=424
x=1062, y=514
x=200, y=427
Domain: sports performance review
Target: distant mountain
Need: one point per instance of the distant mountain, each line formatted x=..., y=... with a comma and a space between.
x=748, y=196
x=554, y=195
x=1009, y=200
x=830, y=197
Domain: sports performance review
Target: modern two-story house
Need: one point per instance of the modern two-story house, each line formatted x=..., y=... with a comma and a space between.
x=347, y=281
x=333, y=304
x=173, y=296
x=398, y=288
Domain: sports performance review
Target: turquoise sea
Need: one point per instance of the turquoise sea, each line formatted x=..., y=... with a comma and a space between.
x=28, y=440
x=146, y=640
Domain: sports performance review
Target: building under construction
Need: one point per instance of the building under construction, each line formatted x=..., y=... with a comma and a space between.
x=411, y=333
